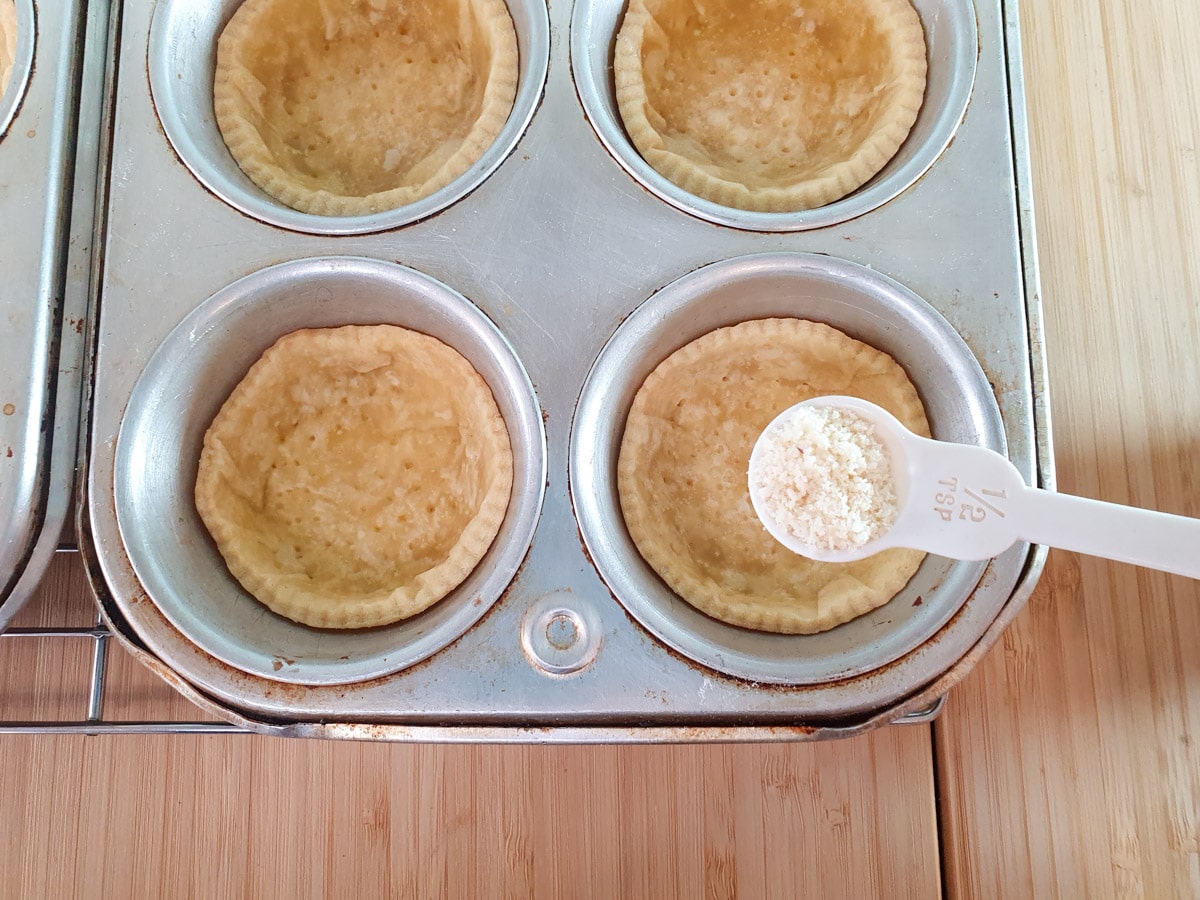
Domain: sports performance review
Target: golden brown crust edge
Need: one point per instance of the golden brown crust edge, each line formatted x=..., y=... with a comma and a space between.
x=252, y=156
x=907, y=41
x=738, y=609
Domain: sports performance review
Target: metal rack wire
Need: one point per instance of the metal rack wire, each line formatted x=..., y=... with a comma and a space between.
x=93, y=721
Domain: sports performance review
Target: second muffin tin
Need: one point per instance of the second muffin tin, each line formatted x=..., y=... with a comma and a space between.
x=558, y=247
x=45, y=226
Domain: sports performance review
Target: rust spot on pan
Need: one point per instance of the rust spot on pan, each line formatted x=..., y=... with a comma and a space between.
x=235, y=680
x=864, y=678
x=884, y=670
x=699, y=734
x=500, y=601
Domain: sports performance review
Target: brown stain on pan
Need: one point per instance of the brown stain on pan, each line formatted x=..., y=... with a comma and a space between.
x=885, y=671
x=865, y=678
x=270, y=689
x=704, y=734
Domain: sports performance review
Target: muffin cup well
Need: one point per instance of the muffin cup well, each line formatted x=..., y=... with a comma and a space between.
x=186, y=382
x=181, y=61
x=952, y=47
x=867, y=306
x=14, y=93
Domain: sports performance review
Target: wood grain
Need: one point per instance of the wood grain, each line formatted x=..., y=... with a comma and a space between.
x=1068, y=761
x=260, y=817
x=29, y=665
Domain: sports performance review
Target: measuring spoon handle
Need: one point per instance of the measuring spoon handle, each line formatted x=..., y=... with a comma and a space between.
x=1143, y=537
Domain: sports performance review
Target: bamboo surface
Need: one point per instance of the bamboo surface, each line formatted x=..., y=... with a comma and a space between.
x=1065, y=765
x=1069, y=761
x=246, y=816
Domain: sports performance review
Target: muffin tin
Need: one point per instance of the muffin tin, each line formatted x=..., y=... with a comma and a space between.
x=580, y=274
x=43, y=291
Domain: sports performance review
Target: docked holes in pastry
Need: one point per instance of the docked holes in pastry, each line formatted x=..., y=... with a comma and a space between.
x=357, y=107
x=681, y=473
x=769, y=105
x=356, y=475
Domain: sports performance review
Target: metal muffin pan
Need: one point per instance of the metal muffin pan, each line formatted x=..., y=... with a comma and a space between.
x=865, y=305
x=179, y=393
x=558, y=247
x=952, y=47
x=43, y=291
x=182, y=58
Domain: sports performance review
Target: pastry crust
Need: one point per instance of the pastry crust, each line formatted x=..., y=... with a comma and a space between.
x=682, y=473
x=8, y=42
x=769, y=105
x=353, y=107
x=356, y=475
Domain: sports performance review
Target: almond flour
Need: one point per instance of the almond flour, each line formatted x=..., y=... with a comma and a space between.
x=826, y=478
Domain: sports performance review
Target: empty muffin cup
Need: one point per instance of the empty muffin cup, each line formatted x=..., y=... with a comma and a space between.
x=864, y=305
x=188, y=380
x=951, y=42
x=294, y=182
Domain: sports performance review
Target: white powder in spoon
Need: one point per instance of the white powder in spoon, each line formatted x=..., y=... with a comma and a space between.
x=826, y=478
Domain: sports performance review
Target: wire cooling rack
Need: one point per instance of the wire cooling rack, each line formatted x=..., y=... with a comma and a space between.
x=92, y=693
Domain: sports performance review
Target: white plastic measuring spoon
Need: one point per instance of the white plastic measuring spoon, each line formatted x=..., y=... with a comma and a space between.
x=968, y=502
